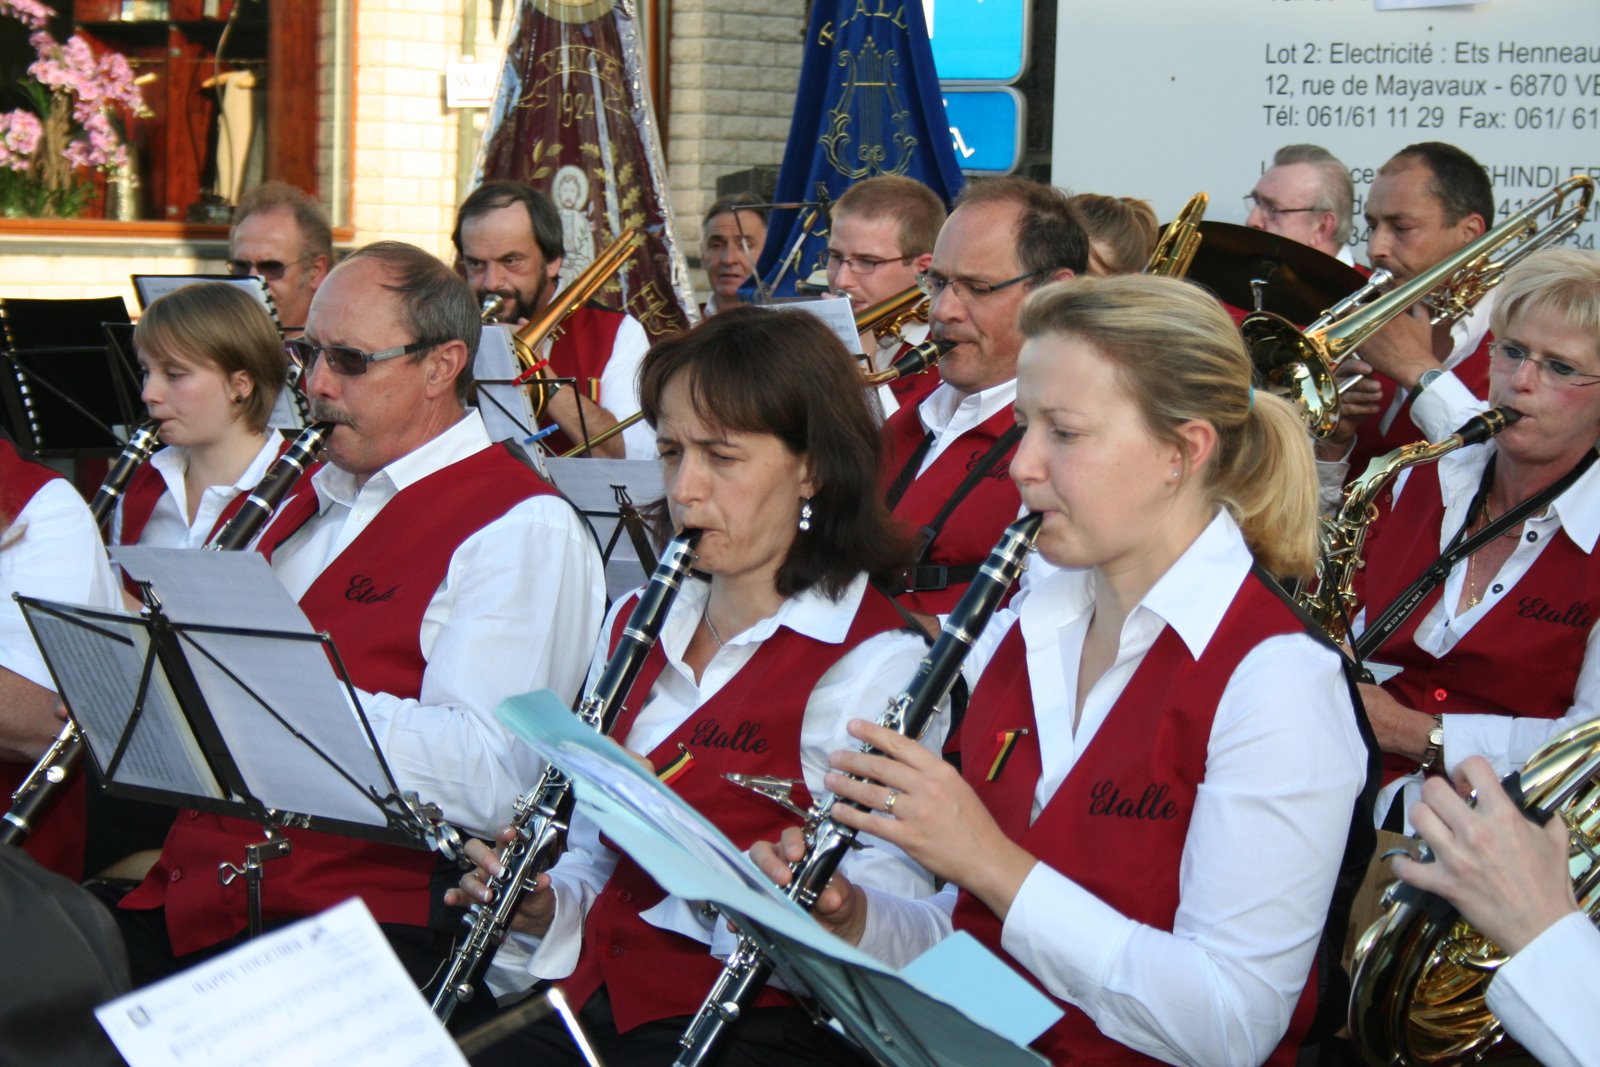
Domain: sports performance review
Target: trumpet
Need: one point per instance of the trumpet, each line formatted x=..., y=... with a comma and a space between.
x=1299, y=365
x=545, y=326
x=1179, y=241
x=887, y=318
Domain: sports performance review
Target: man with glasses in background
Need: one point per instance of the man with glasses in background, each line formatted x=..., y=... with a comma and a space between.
x=947, y=459
x=281, y=235
x=450, y=577
x=880, y=238
x=1306, y=196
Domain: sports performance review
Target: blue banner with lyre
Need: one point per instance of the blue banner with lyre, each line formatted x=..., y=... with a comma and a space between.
x=868, y=104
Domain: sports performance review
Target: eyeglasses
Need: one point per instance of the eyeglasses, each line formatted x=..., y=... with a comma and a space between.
x=1552, y=372
x=343, y=359
x=861, y=264
x=934, y=284
x=270, y=269
x=1272, y=210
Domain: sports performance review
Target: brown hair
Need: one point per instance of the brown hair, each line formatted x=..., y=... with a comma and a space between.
x=220, y=325
x=1180, y=358
x=1049, y=236
x=1125, y=225
x=316, y=235
x=917, y=209
x=760, y=370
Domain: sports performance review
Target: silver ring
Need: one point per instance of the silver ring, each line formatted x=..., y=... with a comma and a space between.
x=888, y=801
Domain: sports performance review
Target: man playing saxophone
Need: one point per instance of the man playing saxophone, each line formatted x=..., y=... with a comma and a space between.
x=509, y=239
x=1529, y=596
x=450, y=577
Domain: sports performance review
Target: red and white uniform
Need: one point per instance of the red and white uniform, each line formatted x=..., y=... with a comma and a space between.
x=657, y=955
x=602, y=349
x=153, y=510
x=451, y=579
x=963, y=429
x=1537, y=613
x=1148, y=916
x=904, y=392
x=51, y=549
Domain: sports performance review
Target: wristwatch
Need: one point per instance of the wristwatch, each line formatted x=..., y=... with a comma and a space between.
x=1435, y=749
x=1427, y=379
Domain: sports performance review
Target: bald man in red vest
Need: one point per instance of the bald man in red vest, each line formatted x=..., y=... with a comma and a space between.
x=450, y=576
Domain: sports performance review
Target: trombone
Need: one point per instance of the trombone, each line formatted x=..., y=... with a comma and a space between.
x=1299, y=365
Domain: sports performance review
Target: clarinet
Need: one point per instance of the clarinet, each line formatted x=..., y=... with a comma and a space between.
x=264, y=499
x=40, y=789
x=747, y=969
x=540, y=817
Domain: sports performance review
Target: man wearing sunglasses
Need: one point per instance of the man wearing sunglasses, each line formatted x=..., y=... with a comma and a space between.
x=947, y=459
x=281, y=235
x=508, y=237
x=450, y=577
x=880, y=238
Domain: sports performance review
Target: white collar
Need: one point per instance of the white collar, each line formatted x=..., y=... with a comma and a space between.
x=1576, y=511
x=809, y=613
x=945, y=404
x=467, y=437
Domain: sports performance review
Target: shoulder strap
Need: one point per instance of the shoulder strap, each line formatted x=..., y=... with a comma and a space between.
x=979, y=471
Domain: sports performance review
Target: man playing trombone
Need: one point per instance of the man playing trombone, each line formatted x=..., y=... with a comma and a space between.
x=509, y=239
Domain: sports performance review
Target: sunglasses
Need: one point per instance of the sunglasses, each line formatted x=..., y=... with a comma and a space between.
x=270, y=269
x=343, y=359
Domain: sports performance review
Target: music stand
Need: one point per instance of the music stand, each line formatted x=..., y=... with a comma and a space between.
x=192, y=715
x=62, y=392
x=606, y=491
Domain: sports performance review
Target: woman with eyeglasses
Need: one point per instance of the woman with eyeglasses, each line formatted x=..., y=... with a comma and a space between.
x=1500, y=654
x=213, y=367
x=1160, y=765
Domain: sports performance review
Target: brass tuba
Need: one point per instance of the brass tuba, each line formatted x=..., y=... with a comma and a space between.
x=546, y=326
x=1420, y=972
x=1179, y=241
x=1299, y=366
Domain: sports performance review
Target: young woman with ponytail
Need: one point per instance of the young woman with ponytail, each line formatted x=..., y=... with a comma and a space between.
x=1161, y=764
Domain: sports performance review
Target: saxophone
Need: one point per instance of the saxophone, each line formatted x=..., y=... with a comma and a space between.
x=539, y=817
x=1332, y=599
x=41, y=788
x=747, y=969
x=37, y=792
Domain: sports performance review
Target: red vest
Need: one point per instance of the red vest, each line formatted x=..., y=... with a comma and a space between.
x=751, y=726
x=1370, y=442
x=57, y=842
x=371, y=597
x=144, y=491
x=1544, y=622
x=1118, y=822
x=977, y=522
x=582, y=352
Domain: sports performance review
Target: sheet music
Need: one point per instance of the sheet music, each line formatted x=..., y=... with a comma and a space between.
x=835, y=313
x=292, y=677
x=98, y=661
x=328, y=989
x=592, y=485
x=152, y=287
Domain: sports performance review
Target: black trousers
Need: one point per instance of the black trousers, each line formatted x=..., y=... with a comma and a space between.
x=765, y=1037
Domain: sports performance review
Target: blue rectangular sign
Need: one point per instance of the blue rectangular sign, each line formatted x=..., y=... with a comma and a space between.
x=978, y=40
x=986, y=128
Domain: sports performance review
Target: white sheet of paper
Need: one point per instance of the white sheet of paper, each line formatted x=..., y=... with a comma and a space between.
x=835, y=313
x=327, y=989
x=591, y=484
x=292, y=677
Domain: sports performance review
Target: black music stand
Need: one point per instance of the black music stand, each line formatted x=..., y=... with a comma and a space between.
x=170, y=715
x=62, y=391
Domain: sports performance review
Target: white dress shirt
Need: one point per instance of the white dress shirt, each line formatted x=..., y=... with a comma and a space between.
x=619, y=387
x=947, y=414
x=51, y=550
x=519, y=609
x=858, y=686
x=1505, y=741
x=1547, y=997
x=1284, y=765
x=169, y=525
